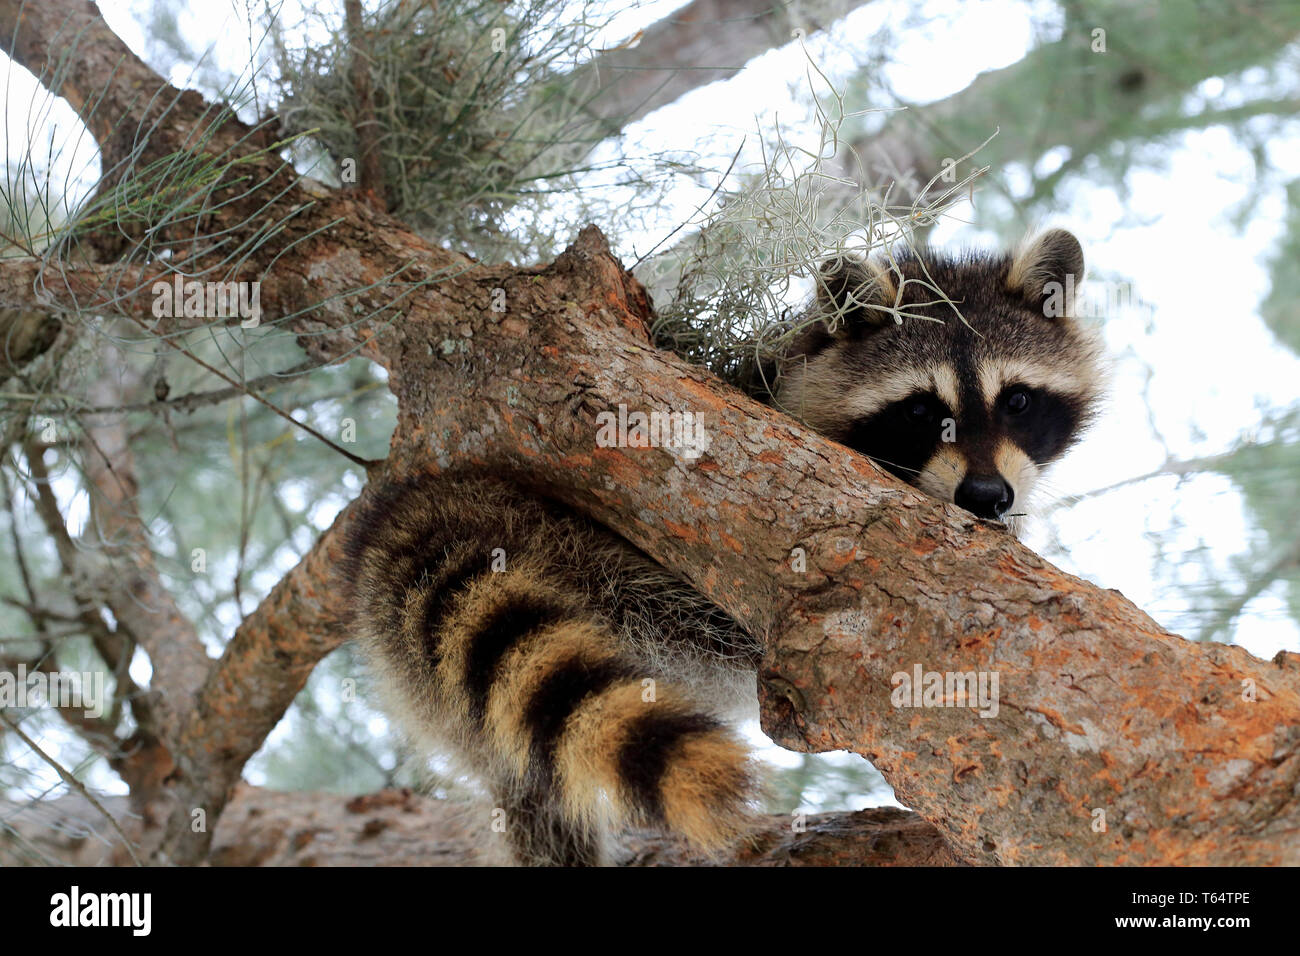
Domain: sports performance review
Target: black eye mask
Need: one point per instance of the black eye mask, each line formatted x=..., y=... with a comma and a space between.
x=1040, y=421
x=903, y=435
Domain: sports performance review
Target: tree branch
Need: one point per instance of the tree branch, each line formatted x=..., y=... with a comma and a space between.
x=702, y=43
x=1100, y=94
x=129, y=110
x=75, y=785
x=143, y=604
x=374, y=186
x=265, y=665
x=398, y=828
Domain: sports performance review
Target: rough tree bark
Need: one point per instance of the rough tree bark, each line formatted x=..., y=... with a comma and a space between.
x=1187, y=753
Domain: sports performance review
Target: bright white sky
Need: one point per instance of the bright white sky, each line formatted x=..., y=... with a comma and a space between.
x=1214, y=364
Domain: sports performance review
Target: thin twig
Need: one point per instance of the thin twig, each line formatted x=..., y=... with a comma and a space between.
x=74, y=783
x=355, y=459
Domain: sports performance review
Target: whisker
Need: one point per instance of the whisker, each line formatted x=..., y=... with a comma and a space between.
x=891, y=464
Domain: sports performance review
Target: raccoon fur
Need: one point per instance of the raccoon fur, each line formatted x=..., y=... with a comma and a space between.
x=587, y=688
x=578, y=680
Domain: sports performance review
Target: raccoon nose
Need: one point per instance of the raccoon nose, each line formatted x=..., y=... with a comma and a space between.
x=985, y=496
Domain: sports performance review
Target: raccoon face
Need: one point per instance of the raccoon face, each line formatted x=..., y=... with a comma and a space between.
x=969, y=412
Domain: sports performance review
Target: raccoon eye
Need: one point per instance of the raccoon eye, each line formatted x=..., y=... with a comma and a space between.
x=1017, y=401
x=919, y=410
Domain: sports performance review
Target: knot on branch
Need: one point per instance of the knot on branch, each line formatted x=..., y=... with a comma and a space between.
x=782, y=703
x=609, y=285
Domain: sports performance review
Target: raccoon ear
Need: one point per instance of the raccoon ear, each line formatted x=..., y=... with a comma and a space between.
x=855, y=294
x=1048, y=271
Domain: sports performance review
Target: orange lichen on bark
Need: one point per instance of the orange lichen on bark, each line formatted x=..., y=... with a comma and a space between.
x=684, y=532
x=730, y=542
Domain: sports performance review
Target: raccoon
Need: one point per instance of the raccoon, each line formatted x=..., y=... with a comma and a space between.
x=968, y=408
x=587, y=688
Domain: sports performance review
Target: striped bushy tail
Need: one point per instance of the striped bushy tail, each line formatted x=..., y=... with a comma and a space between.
x=462, y=601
